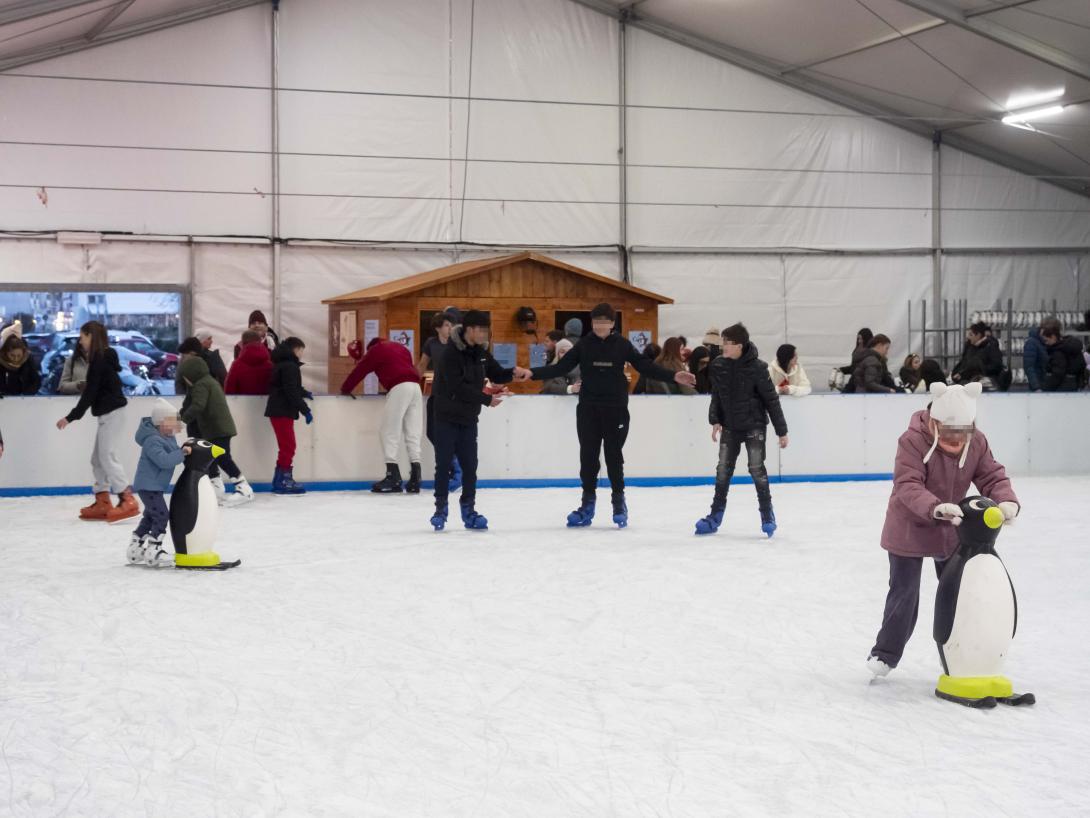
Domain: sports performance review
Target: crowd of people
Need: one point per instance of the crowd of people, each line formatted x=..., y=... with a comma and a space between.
x=1052, y=361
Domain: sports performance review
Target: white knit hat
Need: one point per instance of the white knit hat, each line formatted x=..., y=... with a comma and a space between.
x=953, y=406
x=563, y=346
x=161, y=410
x=202, y=334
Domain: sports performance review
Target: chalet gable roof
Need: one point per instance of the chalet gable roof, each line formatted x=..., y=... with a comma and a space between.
x=421, y=281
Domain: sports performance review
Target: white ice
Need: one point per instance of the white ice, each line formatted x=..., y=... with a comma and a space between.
x=358, y=664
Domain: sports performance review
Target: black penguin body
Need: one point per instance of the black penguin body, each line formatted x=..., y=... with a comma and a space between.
x=194, y=510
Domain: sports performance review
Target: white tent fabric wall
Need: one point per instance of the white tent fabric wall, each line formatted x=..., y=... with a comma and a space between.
x=836, y=180
x=1029, y=281
x=229, y=49
x=986, y=205
x=371, y=82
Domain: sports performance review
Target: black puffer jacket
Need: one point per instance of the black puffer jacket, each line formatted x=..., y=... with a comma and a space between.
x=984, y=361
x=743, y=397
x=286, y=386
x=102, y=394
x=458, y=388
x=1066, y=366
x=870, y=372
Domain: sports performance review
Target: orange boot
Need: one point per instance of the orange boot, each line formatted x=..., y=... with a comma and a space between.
x=126, y=507
x=98, y=509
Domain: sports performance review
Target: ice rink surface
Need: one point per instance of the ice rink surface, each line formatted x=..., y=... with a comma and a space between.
x=358, y=664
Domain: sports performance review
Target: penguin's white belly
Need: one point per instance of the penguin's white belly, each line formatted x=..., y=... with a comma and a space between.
x=206, y=525
x=983, y=619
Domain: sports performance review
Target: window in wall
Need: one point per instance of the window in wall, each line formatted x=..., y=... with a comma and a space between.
x=144, y=328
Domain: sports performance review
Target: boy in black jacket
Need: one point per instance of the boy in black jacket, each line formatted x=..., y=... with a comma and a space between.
x=602, y=415
x=459, y=394
x=743, y=398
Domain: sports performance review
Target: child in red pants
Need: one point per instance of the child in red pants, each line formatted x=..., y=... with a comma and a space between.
x=286, y=402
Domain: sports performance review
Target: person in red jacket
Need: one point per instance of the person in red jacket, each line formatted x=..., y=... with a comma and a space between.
x=403, y=417
x=251, y=370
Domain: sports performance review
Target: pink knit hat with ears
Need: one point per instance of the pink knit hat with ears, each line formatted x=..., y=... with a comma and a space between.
x=954, y=406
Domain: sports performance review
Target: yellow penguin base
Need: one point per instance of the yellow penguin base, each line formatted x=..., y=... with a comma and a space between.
x=202, y=560
x=975, y=687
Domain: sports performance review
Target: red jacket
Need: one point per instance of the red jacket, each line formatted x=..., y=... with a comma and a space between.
x=392, y=362
x=911, y=529
x=250, y=372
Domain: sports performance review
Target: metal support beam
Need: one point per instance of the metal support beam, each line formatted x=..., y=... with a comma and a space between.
x=29, y=9
x=936, y=225
x=886, y=40
x=81, y=43
x=1011, y=4
x=991, y=30
x=831, y=93
x=274, y=170
x=108, y=19
x=622, y=148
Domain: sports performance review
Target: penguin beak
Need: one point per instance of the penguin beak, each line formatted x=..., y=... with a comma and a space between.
x=219, y=450
x=993, y=517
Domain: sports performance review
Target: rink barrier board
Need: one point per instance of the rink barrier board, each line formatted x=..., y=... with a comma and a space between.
x=530, y=441
x=630, y=482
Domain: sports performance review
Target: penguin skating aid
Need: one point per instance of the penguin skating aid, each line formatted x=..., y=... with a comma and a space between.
x=976, y=614
x=194, y=512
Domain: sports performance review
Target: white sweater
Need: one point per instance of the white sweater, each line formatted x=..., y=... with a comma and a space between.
x=797, y=382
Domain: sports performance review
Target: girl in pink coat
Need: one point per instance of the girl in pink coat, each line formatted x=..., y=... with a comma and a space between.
x=938, y=457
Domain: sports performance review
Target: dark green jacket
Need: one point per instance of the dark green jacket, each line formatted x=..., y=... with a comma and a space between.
x=207, y=405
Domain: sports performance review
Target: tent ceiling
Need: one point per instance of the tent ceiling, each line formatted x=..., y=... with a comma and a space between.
x=954, y=66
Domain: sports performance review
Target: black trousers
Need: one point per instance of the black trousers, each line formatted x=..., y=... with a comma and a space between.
x=730, y=446
x=601, y=427
x=455, y=440
x=902, y=607
x=225, y=460
x=156, y=516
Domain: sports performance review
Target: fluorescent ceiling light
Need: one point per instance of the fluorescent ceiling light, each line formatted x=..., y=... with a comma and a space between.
x=1034, y=113
x=1034, y=99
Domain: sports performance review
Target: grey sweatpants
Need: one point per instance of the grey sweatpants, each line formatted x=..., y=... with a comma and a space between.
x=105, y=460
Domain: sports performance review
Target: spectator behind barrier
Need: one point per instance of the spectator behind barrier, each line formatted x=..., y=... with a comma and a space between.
x=871, y=372
x=911, y=379
x=698, y=365
x=259, y=324
x=19, y=375
x=1035, y=360
x=652, y=352
x=561, y=384
x=931, y=372
x=981, y=360
x=787, y=373
x=670, y=358
x=862, y=341
x=1066, y=365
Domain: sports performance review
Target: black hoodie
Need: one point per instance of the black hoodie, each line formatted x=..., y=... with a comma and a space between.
x=743, y=397
x=458, y=388
x=286, y=386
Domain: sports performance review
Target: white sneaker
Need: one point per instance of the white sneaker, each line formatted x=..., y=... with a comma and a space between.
x=135, y=553
x=243, y=490
x=877, y=666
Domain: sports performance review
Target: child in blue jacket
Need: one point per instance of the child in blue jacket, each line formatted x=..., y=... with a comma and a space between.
x=159, y=456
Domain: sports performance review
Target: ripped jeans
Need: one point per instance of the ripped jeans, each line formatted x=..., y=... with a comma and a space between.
x=730, y=446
